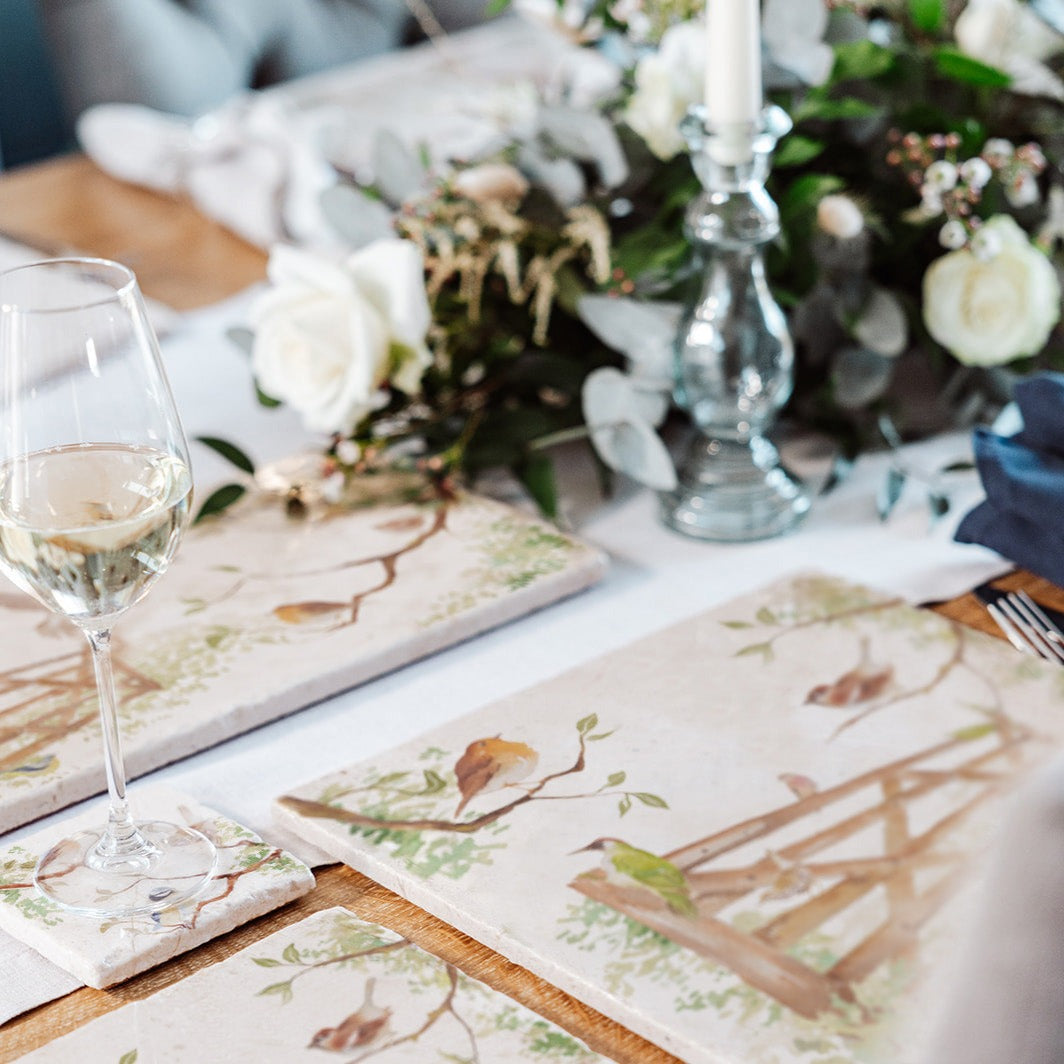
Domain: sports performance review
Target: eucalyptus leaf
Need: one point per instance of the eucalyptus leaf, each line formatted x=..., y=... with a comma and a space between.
x=890, y=492
x=882, y=326
x=860, y=376
x=358, y=219
x=242, y=337
x=643, y=331
x=562, y=178
x=398, y=169
x=589, y=136
x=841, y=468
x=938, y=501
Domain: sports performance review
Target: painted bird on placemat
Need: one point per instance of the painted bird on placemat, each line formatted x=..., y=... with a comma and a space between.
x=368, y=1028
x=863, y=683
x=626, y=865
x=491, y=764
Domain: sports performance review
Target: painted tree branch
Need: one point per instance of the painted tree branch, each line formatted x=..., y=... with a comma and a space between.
x=321, y=811
x=445, y=1006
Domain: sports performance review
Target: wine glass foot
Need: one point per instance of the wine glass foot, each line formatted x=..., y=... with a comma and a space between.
x=173, y=866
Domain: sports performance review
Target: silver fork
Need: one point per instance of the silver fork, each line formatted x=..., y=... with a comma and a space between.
x=1027, y=627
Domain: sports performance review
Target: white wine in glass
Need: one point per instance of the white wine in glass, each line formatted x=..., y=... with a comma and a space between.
x=95, y=490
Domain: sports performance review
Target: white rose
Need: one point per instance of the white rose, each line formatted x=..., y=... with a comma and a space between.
x=330, y=336
x=667, y=82
x=1008, y=35
x=991, y=312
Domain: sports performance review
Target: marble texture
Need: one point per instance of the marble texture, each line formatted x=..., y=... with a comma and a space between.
x=330, y=984
x=750, y=837
x=261, y=615
x=253, y=877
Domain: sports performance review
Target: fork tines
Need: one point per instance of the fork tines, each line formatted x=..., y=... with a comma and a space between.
x=1027, y=627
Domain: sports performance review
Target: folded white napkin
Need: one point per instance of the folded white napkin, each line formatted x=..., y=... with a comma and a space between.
x=1007, y=1002
x=259, y=164
x=253, y=165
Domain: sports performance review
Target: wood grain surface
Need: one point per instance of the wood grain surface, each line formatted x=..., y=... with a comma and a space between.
x=68, y=205
x=185, y=260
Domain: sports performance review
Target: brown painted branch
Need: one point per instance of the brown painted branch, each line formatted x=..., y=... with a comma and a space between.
x=321, y=811
x=955, y=659
x=843, y=615
x=231, y=879
x=441, y=1009
x=373, y=951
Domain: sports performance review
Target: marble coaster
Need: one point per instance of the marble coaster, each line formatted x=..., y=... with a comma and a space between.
x=332, y=983
x=752, y=836
x=253, y=877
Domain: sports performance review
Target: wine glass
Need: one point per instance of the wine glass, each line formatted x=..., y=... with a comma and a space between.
x=94, y=496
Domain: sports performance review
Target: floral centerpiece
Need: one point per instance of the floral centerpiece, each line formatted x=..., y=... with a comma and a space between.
x=492, y=308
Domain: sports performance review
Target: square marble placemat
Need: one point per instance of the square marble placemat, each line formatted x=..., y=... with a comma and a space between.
x=750, y=837
x=253, y=877
x=329, y=987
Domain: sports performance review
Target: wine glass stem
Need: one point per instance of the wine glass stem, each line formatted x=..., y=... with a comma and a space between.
x=122, y=837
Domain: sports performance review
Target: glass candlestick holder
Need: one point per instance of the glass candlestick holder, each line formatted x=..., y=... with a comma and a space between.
x=734, y=358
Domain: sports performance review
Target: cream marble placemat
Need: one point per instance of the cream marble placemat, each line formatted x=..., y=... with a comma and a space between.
x=749, y=837
x=261, y=615
x=330, y=984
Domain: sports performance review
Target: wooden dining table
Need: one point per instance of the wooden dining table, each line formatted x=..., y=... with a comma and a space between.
x=186, y=260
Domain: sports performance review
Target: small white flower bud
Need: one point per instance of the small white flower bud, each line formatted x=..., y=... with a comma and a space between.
x=941, y=176
x=997, y=151
x=953, y=235
x=930, y=201
x=332, y=488
x=986, y=244
x=348, y=452
x=1022, y=191
x=975, y=172
x=840, y=217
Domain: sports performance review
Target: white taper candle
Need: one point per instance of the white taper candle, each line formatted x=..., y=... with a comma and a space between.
x=733, y=63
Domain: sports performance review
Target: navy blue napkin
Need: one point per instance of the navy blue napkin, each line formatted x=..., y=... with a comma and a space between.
x=1023, y=476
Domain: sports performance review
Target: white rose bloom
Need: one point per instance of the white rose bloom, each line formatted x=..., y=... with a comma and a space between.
x=990, y=312
x=1008, y=35
x=330, y=336
x=667, y=82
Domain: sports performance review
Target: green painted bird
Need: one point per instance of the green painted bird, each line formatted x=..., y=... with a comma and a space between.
x=625, y=864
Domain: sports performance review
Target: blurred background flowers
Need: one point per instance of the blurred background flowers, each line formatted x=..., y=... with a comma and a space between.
x=922, y=207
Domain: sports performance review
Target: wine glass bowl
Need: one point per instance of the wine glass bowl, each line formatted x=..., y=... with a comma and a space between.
x=95, y=491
